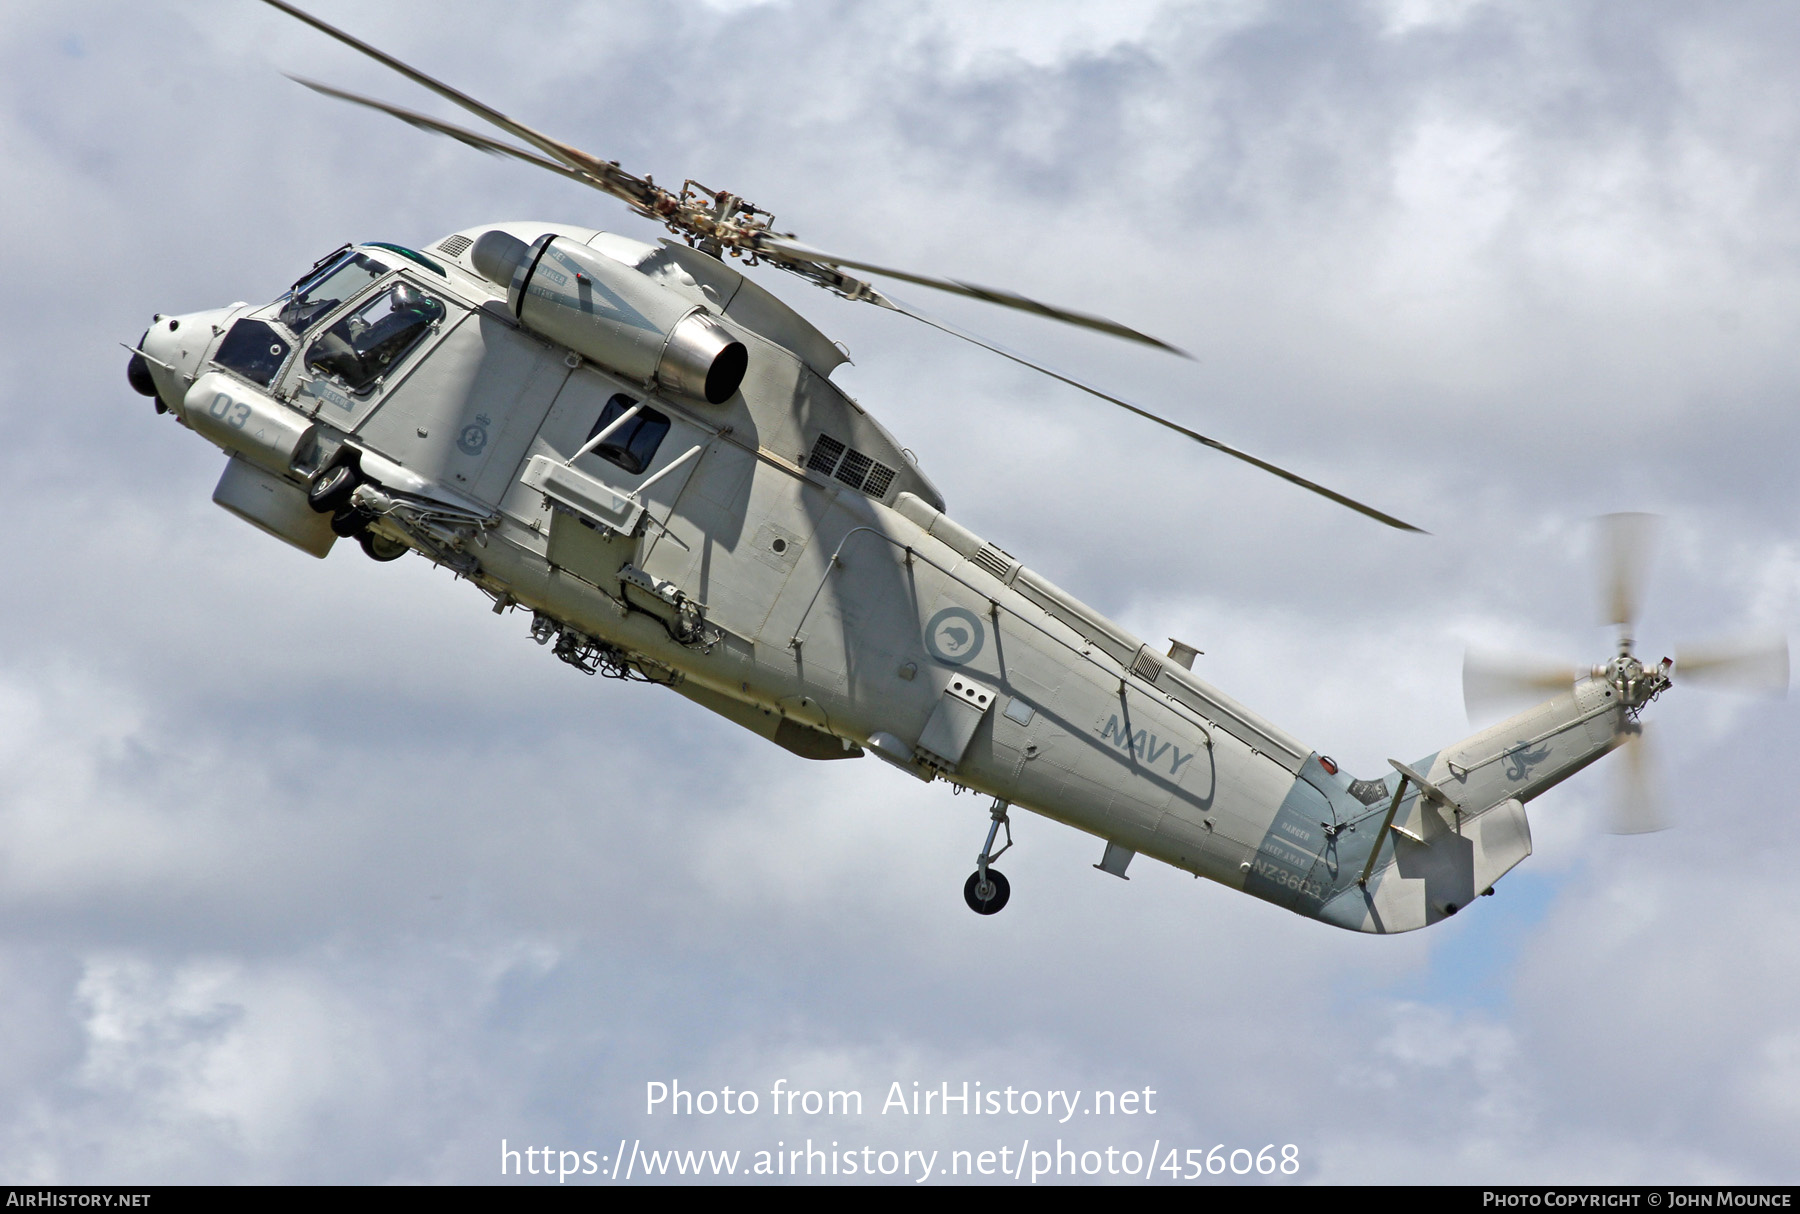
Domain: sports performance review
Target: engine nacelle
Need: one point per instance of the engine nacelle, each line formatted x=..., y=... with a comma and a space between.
x=565, y=291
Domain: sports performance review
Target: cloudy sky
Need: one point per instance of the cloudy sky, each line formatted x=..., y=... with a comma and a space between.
x=318, y=871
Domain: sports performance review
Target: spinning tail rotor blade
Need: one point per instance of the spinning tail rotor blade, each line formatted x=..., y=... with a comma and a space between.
x=1756, y=667
x=1494, y=683
x=1638, y=807
x=1626, y=540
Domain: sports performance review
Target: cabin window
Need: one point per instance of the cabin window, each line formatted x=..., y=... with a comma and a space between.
x=372, y=340
x=633, y=445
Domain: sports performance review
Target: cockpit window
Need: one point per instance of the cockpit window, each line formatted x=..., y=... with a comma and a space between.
x=367, y=343
x=318, y=294
x=254, y=350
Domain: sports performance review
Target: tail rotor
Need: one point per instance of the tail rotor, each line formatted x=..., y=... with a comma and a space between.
x=1756, y=666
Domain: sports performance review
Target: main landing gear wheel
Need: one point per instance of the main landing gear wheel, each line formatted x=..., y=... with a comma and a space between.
x=381, y=548
x=330, y=490
x=987, y=897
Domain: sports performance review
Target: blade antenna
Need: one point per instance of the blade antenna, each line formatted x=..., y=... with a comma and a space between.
x=1292, y=478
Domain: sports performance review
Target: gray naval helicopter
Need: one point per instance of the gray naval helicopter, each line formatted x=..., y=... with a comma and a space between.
x=644, y=448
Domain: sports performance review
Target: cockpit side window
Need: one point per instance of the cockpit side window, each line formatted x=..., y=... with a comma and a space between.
x=319, y=293
x=371, y=340
x=254, y=350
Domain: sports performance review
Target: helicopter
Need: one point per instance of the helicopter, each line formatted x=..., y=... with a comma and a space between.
x=643, y=449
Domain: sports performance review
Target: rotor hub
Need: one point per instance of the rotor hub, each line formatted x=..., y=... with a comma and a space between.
x=1636, y=683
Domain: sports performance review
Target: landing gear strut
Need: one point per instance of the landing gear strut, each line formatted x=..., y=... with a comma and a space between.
x=987, y=889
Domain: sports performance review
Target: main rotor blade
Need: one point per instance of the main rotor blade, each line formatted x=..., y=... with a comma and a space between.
x=605, y=174
x=1758, y=667
x=1496, y=682
x=1292, y=478
x=648, y=199
x=780, y=250
x=1625, y=543
x=476, y=140
x=1637, y=807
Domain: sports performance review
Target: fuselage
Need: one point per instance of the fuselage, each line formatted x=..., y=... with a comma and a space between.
x=778, y=558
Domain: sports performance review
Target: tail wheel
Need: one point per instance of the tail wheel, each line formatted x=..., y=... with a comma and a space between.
x=987, y=897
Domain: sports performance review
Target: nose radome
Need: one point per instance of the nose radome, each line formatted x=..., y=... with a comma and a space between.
x=173, y=350
x=137, y=372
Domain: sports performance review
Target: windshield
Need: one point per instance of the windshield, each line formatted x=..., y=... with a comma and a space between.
x=328, y=288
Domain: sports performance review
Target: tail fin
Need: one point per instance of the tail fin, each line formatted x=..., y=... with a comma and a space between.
x=1455, y=822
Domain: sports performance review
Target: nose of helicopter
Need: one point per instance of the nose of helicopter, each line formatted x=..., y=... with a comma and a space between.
x=171, y=351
